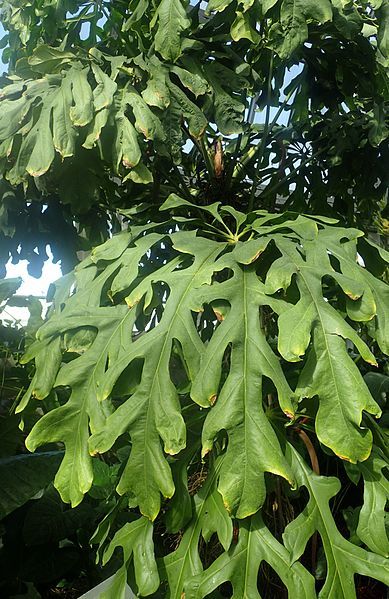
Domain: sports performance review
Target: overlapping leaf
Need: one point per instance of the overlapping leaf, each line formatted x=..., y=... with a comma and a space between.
x=209, y=517
x=136, y=540
x=60, y=113
x=329, y=371
x=240, y=566
x=253, y=447
x=152, y=411
x=292, y=30
x=343, y=558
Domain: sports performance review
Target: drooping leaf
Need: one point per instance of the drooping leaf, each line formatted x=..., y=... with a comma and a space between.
x=383, y=32
x=157, y=92
x=228, y=107
x=242, y=29
x=8, y=287
x=197, y=122
x=343, y=559
x=136, y=540
x=46, y=59
x=240, y=566
x=172, y=22
x=292, y=31
x=217, y=5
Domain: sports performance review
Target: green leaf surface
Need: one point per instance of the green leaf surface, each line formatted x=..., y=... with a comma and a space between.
x=153, y=411
x=46, y=59
x=167, y=298
x=383, y=33
x=253, y=447
x=329, y=371
x=210, y=516
x=371, y=526
x=294, y=18
x=172, y=22
x=23, y=476
x=343, y=558
x=136, y=540
x=240, y=566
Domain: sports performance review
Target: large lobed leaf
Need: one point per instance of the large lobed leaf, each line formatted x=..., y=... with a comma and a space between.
x=240, y=564
x=177, y=289
x=138, y=305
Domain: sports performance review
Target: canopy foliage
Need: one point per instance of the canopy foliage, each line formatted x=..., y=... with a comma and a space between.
x=220, y=351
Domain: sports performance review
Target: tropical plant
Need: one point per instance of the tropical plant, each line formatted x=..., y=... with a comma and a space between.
x=224, y=353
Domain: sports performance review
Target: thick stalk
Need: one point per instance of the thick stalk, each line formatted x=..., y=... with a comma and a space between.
x=283, y=104
x=264, y=136
x=271, y=127
x=207, y=159
x=184, y=186
x=250, y=119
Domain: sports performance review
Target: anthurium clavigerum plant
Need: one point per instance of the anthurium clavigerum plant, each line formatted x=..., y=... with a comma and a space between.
x=221, y=351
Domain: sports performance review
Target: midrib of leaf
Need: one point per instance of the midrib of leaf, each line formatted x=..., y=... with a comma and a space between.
x=167, y=337
x=330, y=543
x=84, y=404
x=317, y=306
x=245, y=312
x=195, y=532
x=247, y=559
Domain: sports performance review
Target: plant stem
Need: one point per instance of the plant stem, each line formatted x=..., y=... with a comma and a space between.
x=283, y=104
x=207, y=159
x=264, y=136
x=184, y=186
x=250, y=118
x=266, y=192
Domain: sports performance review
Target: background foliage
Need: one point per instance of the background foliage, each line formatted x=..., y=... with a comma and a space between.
x=212, y=379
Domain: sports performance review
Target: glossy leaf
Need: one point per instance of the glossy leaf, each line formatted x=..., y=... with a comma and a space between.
x=371, y=526
x=343, y=558
x=136, y=540
x=241, y=563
